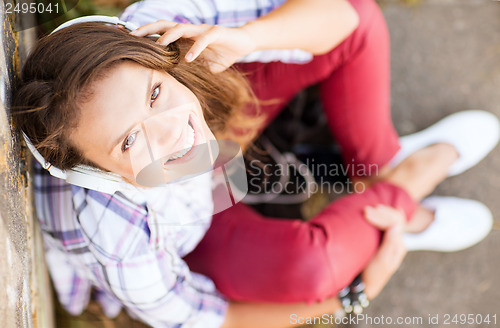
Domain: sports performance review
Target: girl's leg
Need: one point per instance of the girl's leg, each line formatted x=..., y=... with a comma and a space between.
x=356, y=97
x=253, y=258
x=260, y=259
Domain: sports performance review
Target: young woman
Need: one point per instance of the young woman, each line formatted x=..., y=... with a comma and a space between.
x=96, y=95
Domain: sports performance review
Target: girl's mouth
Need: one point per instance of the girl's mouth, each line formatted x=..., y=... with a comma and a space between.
x=188, y=145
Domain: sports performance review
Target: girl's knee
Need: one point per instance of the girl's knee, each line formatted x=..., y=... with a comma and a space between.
x=369, y=15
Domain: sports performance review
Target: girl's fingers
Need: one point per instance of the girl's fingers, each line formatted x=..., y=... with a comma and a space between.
x=173, y=34
x=377, y=217
x=203, y=35
x=157, y=27
x=383, y=217
x=201, y=44
x=171, y=31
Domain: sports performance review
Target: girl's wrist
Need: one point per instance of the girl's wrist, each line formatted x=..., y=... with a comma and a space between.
x=252, y=30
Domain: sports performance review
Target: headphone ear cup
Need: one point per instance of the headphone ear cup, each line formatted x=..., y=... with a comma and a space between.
x=83, y=176
x=97, y=180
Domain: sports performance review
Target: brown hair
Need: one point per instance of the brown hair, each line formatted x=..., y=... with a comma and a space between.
x=64, y=64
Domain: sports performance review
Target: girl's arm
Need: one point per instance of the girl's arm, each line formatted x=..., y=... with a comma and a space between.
x=316, y=26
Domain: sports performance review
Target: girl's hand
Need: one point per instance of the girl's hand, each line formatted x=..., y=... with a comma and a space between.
x=391, y=252
x=227, y=44
x=384, y=217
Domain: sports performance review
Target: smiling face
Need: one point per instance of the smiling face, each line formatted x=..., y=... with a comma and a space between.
x=136, y=117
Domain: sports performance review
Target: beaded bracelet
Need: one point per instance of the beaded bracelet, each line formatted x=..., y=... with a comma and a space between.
x=353, y=298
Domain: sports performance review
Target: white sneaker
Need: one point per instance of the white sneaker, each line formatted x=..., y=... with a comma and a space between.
x=473, y=133
x=458, y=224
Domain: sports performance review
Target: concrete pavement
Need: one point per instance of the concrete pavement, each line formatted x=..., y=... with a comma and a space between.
x=446, y=58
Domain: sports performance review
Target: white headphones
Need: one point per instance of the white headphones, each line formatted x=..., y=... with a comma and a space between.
x=97, y=19
x=83, y=175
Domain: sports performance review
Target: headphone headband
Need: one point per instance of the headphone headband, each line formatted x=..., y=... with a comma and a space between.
x=97, y=19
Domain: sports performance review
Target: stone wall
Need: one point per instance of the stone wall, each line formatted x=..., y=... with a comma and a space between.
x=25, y=295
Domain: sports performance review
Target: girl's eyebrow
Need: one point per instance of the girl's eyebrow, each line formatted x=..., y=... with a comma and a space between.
x=125, y=134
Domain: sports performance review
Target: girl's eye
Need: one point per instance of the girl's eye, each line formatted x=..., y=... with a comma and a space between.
x=129, y=141
x=155, y=94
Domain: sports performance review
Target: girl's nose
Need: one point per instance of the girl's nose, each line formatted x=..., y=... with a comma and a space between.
x=163, y=132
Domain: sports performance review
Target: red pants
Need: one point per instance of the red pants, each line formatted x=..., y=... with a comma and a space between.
x=256, y=258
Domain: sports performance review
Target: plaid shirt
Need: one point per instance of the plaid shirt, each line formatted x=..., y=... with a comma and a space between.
x=130, y=252
x=229, y=13
x=129, y=248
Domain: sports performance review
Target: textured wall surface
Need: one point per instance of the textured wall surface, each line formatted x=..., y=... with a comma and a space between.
x=445, y=58
x=25, y=299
